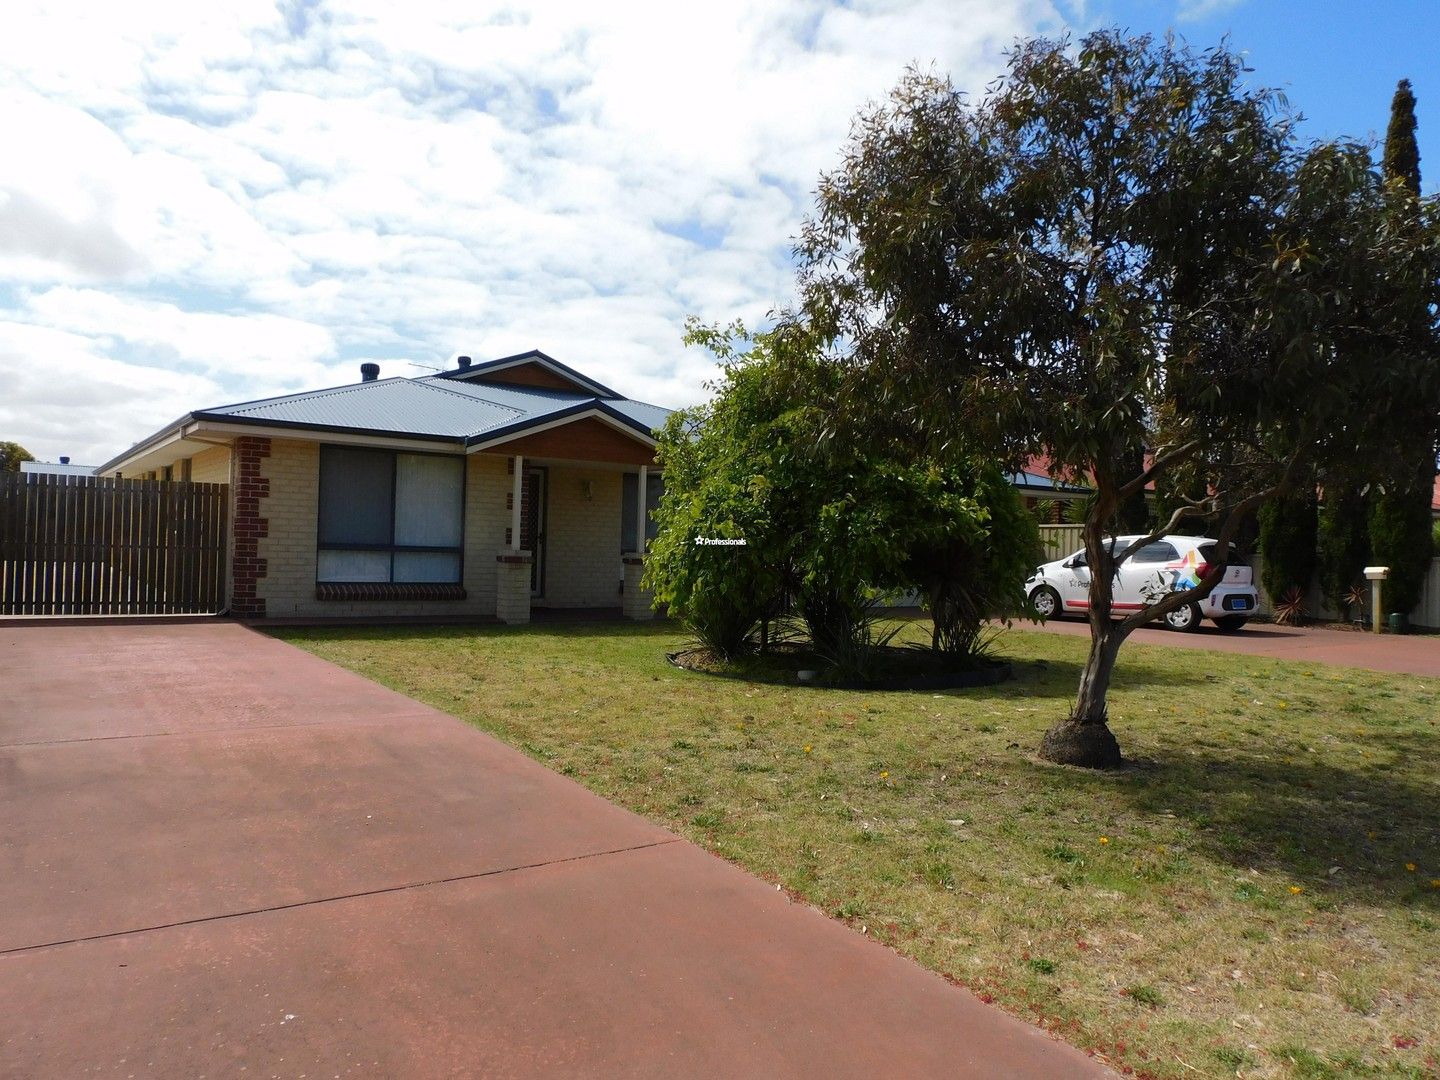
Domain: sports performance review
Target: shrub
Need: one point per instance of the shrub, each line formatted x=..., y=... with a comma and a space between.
x=1401, y=531
x=828, y=522
x=1343, y=544
x=1287, y=542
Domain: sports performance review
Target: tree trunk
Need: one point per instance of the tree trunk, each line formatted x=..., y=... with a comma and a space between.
x=1084, y=737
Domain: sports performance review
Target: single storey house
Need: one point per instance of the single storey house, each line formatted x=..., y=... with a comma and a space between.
x=486, y=491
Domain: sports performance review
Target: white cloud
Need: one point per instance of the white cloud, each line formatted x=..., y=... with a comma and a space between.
x=247, y=198
x=1199, y=10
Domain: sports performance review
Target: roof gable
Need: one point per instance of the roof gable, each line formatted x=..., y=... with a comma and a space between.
x=534, y=369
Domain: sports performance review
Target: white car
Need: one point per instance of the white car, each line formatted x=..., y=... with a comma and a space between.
x=1166, y=565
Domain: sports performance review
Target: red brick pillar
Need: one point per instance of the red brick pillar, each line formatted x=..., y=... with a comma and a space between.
x=246, y=566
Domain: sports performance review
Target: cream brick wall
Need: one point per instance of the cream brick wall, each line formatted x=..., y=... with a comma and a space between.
x=293, y=469
x=582, y=538
x=288, y=587
x=211, y=466
x=486, y=484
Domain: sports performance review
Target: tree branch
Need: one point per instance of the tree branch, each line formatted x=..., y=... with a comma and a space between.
x=1214, y=574
x=1157, y=466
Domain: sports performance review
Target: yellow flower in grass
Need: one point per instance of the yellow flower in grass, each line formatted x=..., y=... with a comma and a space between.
x=1281, y=705
x=1296, y=890
x=884, y=774
x=1104, y=839
x=1435, y=883
x=808, y=749
x=1410, y=866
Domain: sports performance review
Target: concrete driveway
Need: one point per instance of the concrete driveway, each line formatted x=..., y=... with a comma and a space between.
x=221, y=856
x=1406, y=654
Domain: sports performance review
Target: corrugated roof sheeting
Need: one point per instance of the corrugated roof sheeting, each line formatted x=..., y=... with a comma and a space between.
x=432, y=406
x=651, y=416
x=393, y=406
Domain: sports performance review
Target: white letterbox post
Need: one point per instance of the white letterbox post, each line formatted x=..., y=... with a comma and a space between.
x=1375, y=575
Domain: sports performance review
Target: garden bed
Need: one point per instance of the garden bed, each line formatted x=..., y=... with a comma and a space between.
x=895, y=669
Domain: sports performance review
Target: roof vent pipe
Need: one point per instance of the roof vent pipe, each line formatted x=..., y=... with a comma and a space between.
x=369, y=372
x=64, y=459
x=463, y=361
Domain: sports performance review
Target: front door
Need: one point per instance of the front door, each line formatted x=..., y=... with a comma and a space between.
x=532, y=526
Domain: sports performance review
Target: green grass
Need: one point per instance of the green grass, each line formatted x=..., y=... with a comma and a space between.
x=1238, y=902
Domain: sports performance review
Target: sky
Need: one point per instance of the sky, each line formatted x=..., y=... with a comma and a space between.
x=208, y=203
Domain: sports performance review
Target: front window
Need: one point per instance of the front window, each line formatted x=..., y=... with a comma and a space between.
x=388, y=516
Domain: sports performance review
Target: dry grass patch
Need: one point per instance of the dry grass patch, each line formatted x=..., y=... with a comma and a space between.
x=1259, y=895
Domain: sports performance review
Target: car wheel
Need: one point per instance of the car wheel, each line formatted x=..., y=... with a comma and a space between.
x=1231, y=623
x=1046, y=602
x=1185, y=619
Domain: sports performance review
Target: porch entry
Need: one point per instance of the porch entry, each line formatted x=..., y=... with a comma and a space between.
x=532, y=525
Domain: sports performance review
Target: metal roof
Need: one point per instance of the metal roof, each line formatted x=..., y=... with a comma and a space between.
x=57, y=468
x=1026, y=479
x=434, y=407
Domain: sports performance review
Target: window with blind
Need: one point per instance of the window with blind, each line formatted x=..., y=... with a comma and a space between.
x=388, y=516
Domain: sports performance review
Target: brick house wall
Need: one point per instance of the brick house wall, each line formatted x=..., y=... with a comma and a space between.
x=582, y=538
x=249, y=526
x=211, y=466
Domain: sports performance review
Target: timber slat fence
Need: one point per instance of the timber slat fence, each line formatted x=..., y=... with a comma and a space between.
x=94, y=545
x=1058, y=541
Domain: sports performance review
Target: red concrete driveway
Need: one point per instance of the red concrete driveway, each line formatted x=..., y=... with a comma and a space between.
x=1409, y=654
x=221, y=856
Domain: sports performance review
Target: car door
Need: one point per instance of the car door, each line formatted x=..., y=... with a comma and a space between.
x=1146, y=576
x=1075, y=585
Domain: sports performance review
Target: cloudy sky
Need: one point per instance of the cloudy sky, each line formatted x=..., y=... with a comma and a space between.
x=204, y=203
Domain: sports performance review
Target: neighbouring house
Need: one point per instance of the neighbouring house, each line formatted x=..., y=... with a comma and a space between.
x=57, y=468
x=1039, y=483
x=483, y=491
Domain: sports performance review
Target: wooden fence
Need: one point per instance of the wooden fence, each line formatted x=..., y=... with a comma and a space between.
x=1060, y=540
x=91, y=545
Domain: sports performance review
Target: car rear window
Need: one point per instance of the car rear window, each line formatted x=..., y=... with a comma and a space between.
x=1233, y=557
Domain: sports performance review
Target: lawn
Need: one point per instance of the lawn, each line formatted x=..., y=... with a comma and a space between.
x=1259, y=895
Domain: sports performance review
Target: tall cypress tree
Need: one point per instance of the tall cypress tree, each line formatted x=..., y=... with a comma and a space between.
x=1402, y=152
x=1400, y=518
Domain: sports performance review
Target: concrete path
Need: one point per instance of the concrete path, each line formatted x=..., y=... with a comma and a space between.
x=221, y=856
x=1411, y=654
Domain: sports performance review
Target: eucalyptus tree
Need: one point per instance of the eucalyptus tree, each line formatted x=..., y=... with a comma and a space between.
x=1121, y=255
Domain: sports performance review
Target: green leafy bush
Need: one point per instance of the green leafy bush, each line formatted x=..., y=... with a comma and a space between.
x=826, y=524
x=1287, y=541
x=1343, y=545
x=1401, y=530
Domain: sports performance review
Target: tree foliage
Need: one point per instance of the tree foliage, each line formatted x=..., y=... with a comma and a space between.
x=1402, y=151
x=1342, y=544
x=1401, y=538
x=826, y=526
x=1119, y=254
x=1400, y=530
x=1288, y=525
x=11, y=455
